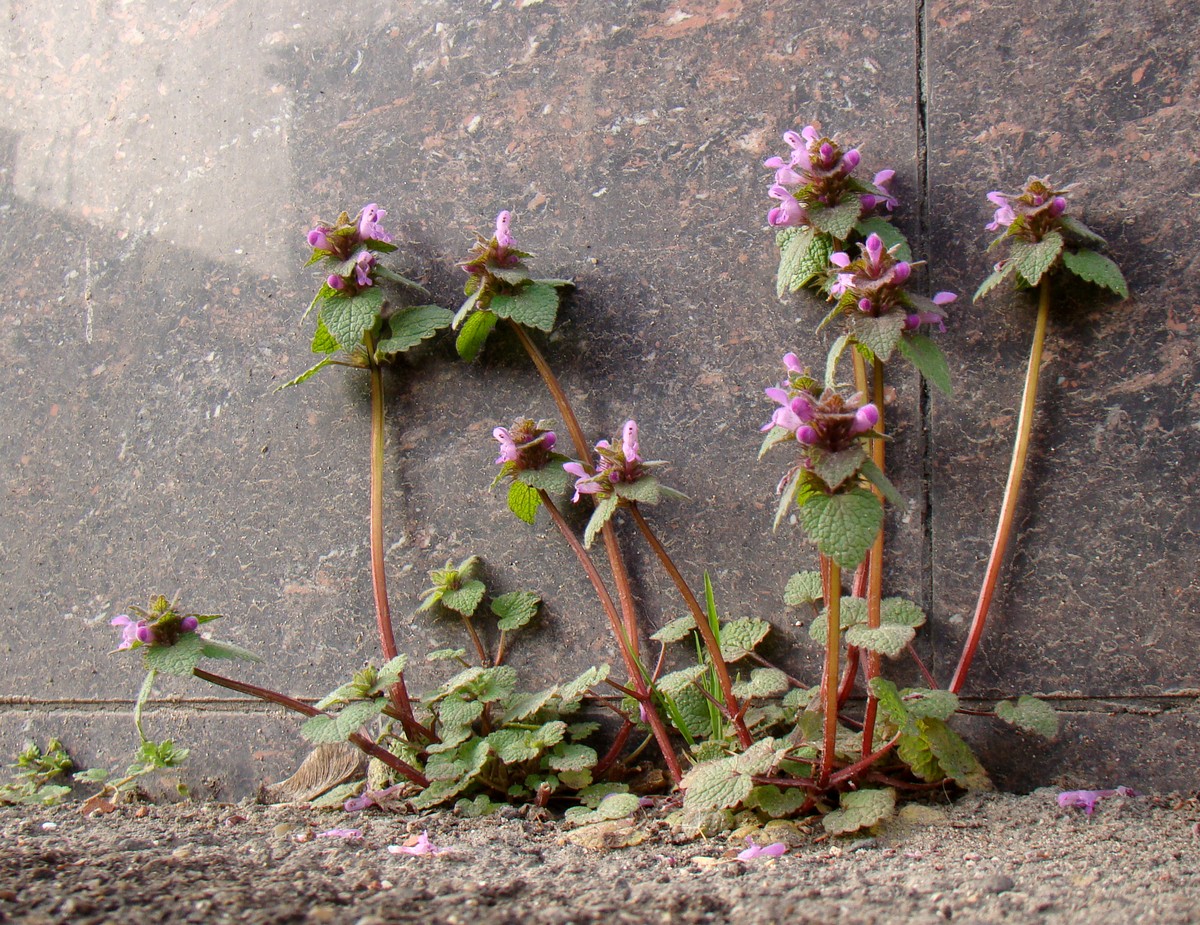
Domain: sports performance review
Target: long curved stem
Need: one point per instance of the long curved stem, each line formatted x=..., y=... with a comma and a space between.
x=1008, y=506
x=833, y=641
x=661, y=735
x=584, y=451
x=383, y=615
x=732, y=707
x=875, y=568
x=363, y=743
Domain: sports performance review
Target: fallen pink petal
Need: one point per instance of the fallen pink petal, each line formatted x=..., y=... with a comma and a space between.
x=773, y=850
x=1087, y=799
x=423, y=846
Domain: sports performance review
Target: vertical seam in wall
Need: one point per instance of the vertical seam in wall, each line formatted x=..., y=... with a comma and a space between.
x=922, y=87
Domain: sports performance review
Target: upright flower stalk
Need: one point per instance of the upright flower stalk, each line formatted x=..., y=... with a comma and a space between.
x=1043, y=241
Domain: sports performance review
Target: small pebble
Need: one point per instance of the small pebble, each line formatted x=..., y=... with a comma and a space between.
x=997, y=883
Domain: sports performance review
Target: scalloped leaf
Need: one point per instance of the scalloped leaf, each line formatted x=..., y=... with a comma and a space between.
x=803, y=256
x=675, y=630
x=443, y=655
x=775, y=436
x=831, y=362
x=1078, y=230
x=178, y=659
x=465, y=598
x=474, y=334
x=551, y=478
x=889, y=639
x=646, y=490
x=676, y=681
x=787, y=496
x=873, y=474
x=860, y=809
x=534, y=305
x=306, y=375
x=572, y=757
x=1030, y=714
x=605, y=508
x=803, y=588
x=998, y=275
x=835, y=468
x=715, y=785
x=741, y=637
x=763, y=682
x=342, y=725
x=409, y=326
x=523, y=500
x=852, y=611
x=323, y=342
x=839, y=221
x=348, y=320
x=843, y=525
x=515, y=609
x=879, y=335
x=901, y=612
x=1034, y=259
x=1095, y=268
x=227, y=650
x=572, y=692
x=929, y=360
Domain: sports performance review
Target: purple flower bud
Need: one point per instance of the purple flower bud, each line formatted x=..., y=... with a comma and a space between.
x=839, y=259
x=865, y=306
x=807, y=435
x=629, y=443
x=369, y=228
x=826, y=152
x=792, y=363
x=504, y=238
x=335, y=282
x=874, y=249
x=1057, y=207
x=865, y=418
x=549, y=439
x=901, y=272
x=319, y=238
x=144, y=633
x=851, y=159
x=189, y=624
x=802, y=407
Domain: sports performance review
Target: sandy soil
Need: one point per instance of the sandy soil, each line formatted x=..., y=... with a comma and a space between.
x=986, y=859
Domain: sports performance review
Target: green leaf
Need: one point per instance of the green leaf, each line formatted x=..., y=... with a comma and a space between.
x=493, y=684
x=901, y=611
x=803, y=588
x=474, y=333
x=572, y=757
x=763, y=682
x=690, y=712
x=340, y=726
x=615, y=806
x=477, y=808
x=1030, y=714
x=879, y=335
x=349, y=319
x=390, y=671
x=605, y=508
x=839, y=221
x=787, y=495
x=831, y=362
x=926, y=704
x=860, y=809
x=802, y=257
x=178, y=659
x=715, y=785
x=514, y=276
x=592, y=796
x=572, y=692
x=306, y=375
x=552, y=478
x=226, y=650
x=915, y=752
x=1003, y=269
x=467, y=307
x=577, y=731
x=774, y=437
x=534, y=305
x=515, y=609
x=851, y=612
x=675, y=630
x=843, y=525
x=323, y=341
x=408, y=327
x=514, y=746
x=521, y=707
x=927, y=357
x=441, y=655
x=888, y=233
x=875, y=476
x=523, y=500
x=456, y=712
x=740, y=637
x=952, y=753
x=1096, y=268
x=1033, y=260
x=676, y=681
x=645, y=490
x=1078, y=230
x=465, y=599
x=835, y=468
x=776, y=803
x=891, y=705
x=888, y=639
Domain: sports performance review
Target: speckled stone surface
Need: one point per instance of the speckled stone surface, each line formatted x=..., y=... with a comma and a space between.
x=159, y=165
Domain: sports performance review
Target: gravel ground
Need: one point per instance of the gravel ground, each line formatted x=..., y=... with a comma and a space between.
x=987, y=858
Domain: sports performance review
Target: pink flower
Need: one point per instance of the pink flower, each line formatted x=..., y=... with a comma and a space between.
x=504, y=238
x=129, y=630
x=347, y=834
x=422, y=846
x=773, y=850
x=369, y=228
x=1087, y=799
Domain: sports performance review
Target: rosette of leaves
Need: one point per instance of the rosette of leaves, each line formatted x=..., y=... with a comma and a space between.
x=1042, y=238
x=38, y=775
x=174, y=648
x=499, y=286
x=455, y=587
x=535, y=467
x=357, y=325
